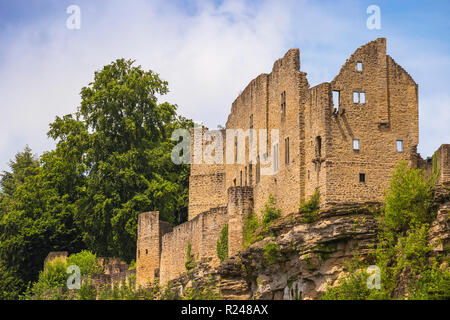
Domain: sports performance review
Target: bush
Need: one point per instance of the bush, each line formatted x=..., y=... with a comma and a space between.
x=207, y=292
x=270, y=213
x=310, y=208
x=272, y=253
x=409, y=198
x=402, y=252
x=222, y=244
x=87, y=291
x=352, y=287
x=86, y=261
x=190, y=264
x=51, y=283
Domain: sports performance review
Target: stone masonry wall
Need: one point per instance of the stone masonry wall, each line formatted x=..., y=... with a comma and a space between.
x=259, y=106
x=206, y=181
x=389, y=113
x=202, y=233
x=148, y=252
x=315, y=150
x=240, y=202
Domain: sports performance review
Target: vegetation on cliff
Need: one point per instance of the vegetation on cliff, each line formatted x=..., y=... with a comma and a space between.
x=403, y=252
x=310, y=209
x=222, y=244
x=253, y=229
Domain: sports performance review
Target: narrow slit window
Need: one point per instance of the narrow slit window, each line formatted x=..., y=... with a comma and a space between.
x=245, y=177
x=283, y=104
x=399, y=144
x=359, y=66
x=286, y=151
x=355, y=144
x=275, y=157
x=355, y=97
x=362, y=177
x=336, y=99
x=318, y=147
x=240, y=182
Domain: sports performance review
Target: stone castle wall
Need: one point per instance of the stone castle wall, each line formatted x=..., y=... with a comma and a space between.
x=389, y=113
x=206, y=182
x=316, y=134
x=201, y=233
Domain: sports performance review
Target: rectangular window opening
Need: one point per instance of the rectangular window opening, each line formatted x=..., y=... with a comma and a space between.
x=355, y=144
x=362, y=177
x=359, y=66
x=283, y=104
x=245, y=177
x=399, y=144
x=336, y=99
x=275, y=157
x=355, y=97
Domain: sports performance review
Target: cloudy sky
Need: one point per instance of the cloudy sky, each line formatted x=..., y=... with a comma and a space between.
x=208, y=51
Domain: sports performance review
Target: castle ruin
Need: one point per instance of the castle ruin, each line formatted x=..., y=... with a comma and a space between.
x=342, y=138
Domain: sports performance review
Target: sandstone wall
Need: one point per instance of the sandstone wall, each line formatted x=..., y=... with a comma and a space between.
x=271, y=101
x=240, y=202
x=202, y=233
x=389, y=113
x=148, y=252
x=443, y=163
x=207, y=180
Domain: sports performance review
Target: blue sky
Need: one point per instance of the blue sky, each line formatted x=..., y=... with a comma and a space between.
x=208, y=51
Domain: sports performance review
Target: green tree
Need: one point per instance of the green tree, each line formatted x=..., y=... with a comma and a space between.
x=120, y=138
x=36, y=214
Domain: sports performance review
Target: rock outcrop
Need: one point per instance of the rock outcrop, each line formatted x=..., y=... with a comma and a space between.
x=308, y=257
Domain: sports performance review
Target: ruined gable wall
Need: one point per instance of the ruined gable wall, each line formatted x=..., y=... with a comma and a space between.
x=262, y=99
x=390, y=112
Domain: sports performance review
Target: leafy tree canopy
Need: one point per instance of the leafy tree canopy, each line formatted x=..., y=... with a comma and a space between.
x=112, y=161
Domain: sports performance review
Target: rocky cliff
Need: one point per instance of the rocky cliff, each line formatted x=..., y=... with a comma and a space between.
x=297, y=260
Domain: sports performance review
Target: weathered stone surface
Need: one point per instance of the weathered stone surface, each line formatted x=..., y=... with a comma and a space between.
x=312, y=255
